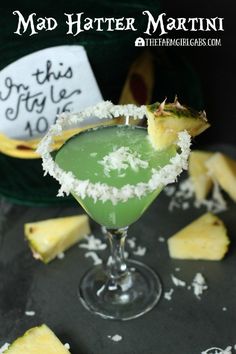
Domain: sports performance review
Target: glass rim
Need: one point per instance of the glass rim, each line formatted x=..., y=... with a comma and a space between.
x=101, y=191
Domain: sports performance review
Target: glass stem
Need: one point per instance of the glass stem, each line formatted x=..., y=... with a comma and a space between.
x=117, y=267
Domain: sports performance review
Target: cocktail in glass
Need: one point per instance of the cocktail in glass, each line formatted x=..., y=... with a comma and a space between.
x=115, y=173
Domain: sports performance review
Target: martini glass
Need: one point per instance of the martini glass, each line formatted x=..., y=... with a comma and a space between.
x=115, y=173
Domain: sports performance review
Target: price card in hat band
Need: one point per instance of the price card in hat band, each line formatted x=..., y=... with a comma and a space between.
x=41, y=85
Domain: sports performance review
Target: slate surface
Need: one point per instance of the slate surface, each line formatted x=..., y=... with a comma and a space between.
x=184, y=325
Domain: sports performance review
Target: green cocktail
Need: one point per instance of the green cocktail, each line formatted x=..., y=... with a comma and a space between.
x=116, y=156
x=115, y=173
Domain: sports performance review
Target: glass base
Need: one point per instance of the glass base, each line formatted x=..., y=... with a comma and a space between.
x=134, y=295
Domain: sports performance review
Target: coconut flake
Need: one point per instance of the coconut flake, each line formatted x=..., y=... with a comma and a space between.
x=199, y=285
x=93, y=154
x=115, y=338
x=4, y=348
x=170, y=190
x=121, y=159
x=161, y=239
x=177, y=281
x=61, y=255
x=30, y=313
x=184, y=192
x=93, y=244
x=131, y=242
x=217, y=204
x=67, y=346
x=140, y=251
x=101, y=191
x=168, y=294
x=94, y=256
x=181, y=199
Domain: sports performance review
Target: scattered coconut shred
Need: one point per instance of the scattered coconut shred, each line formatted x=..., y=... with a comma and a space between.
x=67, y=346
x=4, y=348
x=61, y=255
x=94, y=256
x=198, y=285
x=131, y=242
x=140, y=251
x=168, y=294
x=177, y=281
x=115, y=338
x=93, y=244
x=30, y=313
x=182, y=195
x=161, y=239
x=120, y=160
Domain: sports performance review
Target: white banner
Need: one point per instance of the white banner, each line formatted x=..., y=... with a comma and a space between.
x=37, y=87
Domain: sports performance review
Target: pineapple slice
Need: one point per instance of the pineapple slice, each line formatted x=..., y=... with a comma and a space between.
x=198, y=172
x=205, y=238
x=165, y=121
x=223, y=170
x=50, y=237
x=140, y=81
x=26, y=149
x=37, y=340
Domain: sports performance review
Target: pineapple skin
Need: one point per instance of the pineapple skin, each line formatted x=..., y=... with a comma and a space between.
x=165, y=121
x=199, y=173
x=50, y=237
x=37, y=340
x=205, y=238
x=223, y=170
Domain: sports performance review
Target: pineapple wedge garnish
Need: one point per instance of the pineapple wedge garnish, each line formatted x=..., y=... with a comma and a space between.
x=223, y=170
x=166, y=120
x=49, y=238
x=198, y=172
x=205, y=238
x=37, y=340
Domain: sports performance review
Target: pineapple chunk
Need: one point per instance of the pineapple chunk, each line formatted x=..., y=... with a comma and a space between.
x=37, y=340
x=165, y=121
x=223, y=170
x=198, y=172
x=50, y=237
x=205, y=238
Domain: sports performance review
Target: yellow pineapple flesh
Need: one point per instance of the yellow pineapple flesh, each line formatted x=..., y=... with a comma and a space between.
x=199, y=174
x=141, y=73
x=37, y=340
x=165, y=121
x=223, y=170
x=26, y=149
x=205, y=238
x=50, y=237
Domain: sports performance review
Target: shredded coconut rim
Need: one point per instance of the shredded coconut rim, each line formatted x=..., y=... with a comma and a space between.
x=101, y=191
